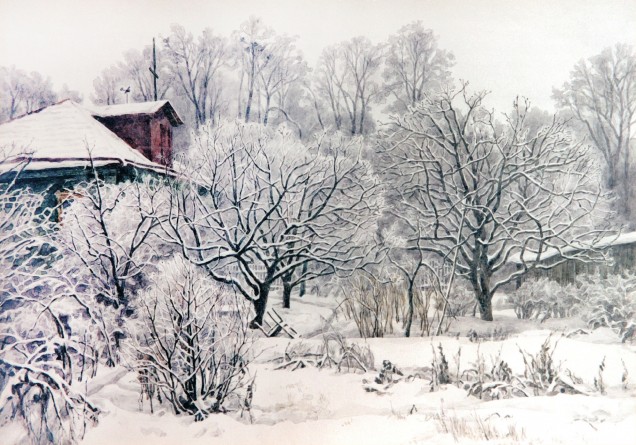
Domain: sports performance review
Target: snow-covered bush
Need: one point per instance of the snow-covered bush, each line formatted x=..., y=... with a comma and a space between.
x=371, y=304
x=334, y=351
x=39, y=359
x=108, y=236
x=543, y=298
x=461, y=300
x=610, y=302
x=42, y=349
x=190, y=340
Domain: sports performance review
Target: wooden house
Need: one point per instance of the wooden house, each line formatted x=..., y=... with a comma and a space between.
x=61, y=143
x=563, y=266
x=58, y=146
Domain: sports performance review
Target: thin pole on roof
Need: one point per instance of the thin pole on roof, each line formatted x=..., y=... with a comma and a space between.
x=153, y=70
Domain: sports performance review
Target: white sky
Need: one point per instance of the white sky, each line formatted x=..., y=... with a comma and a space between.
x=523, y=47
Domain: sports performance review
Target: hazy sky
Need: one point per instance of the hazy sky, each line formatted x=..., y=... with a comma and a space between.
x=519, y=47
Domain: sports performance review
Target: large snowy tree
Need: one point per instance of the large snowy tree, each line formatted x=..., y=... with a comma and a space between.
x=462, y=180
x=258, y=205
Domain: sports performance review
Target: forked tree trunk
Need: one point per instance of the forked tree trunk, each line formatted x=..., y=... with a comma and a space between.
x=260, y=306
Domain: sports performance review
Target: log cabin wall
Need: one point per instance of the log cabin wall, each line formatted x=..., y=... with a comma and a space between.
x=623, y=261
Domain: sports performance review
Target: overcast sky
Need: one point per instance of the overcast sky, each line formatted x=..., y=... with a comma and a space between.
x=520, y=47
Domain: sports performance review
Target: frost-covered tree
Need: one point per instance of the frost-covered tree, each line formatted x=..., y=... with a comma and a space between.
x=195, y=65
x=347, y=83
x=108, y=87
x=107, y=237
x=190, y=340
x=490, y=191
x=259, y=205
x=135, y=69
x=270, y=66
x=415, y=65
x=601, y=94
x=22, y=92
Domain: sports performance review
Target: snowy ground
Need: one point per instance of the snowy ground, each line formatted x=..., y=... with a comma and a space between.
x=311, y=406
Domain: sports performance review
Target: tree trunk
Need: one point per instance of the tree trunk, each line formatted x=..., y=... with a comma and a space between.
x=287, y=291
x=409, y=315
x=303, y=284
x=485, y=307
x=260, y=306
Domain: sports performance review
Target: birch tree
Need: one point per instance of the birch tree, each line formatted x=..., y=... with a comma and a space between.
x=489, y=190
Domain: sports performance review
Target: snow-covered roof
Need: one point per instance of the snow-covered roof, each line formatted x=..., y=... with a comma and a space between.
x=65, y=135
x=603, y=243
x=137, y=108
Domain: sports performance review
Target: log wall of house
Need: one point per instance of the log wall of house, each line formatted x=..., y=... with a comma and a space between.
x=623, y=260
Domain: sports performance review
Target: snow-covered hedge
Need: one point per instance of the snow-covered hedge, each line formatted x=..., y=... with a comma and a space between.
x=610, y=302
x=543, y=298
x=600, y=302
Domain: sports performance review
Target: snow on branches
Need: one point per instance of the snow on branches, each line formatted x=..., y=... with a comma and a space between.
x=258, y=206
x=491, y=191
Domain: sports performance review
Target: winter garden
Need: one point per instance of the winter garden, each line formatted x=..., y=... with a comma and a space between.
x=400, y=258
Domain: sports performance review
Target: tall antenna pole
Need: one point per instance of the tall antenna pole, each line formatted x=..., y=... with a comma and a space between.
x=153, y=70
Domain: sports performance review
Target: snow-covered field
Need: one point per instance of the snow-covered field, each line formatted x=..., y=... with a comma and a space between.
x=323, y=406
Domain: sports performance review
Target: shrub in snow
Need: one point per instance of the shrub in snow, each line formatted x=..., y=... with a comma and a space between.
x=191, y=340
x=371, y=304
x=334, y=351
x=491, y=382
x=43, y=346
x=543, y=298
x=461, y=300
x=610, y=302
x=540, y=369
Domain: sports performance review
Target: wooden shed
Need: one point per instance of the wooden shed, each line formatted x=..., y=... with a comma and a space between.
x=565, y=265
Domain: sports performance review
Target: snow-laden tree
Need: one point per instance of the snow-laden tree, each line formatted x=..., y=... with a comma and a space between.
x=489, y=191
x=255, y=206
x=107, y=236
x=601, y=94
x=415, y=65
x=41, y=353
x=23, y=92
x=190, y=342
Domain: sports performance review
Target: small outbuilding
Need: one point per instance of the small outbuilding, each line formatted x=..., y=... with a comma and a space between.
x=614, y=254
